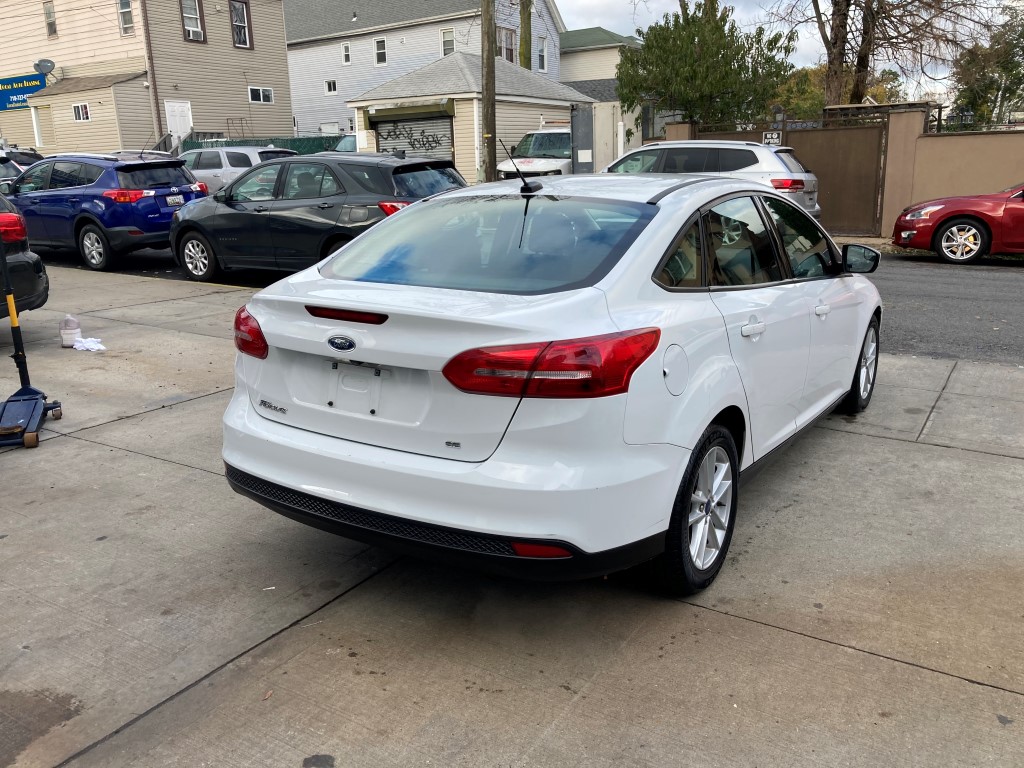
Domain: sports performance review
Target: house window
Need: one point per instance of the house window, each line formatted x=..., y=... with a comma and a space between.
x=51, y=19
x=330, y=86
x=261, y=95
x=380, y=51
x=346, y=53
x=193, y=27
x=506, y=43
x=125, y=17
x=447, y=42
x=81, y=112
x=542, y=55
x=241, y=24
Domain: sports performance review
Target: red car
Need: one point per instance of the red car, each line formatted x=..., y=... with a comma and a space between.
x=961, y=229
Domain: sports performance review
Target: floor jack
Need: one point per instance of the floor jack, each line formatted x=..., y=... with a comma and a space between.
x=23, y=412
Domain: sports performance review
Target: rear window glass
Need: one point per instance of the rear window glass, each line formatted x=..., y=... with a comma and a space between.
x=150, y=176
x=425, y=180
x=24, y=159
x=789, y=160
x=239, y=160
x=273, y=154
x=347, y=144
x=495, y=244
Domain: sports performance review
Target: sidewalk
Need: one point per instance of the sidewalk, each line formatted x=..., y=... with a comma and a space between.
x=869, y=613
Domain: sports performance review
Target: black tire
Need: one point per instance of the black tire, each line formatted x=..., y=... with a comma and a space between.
x=94, y=248
x=197, y=257
x=968, y=231
x=859, y=397
x=674, y=572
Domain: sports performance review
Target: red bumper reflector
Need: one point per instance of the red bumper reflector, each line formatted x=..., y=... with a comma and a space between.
x=529, y=549
x=348, y=315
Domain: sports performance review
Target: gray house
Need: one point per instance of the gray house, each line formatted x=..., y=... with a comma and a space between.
x=435, y=111
x=337, y=51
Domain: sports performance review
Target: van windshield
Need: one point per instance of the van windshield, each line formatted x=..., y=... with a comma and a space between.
x=556, y=145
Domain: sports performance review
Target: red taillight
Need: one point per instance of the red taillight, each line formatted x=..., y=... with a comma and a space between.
x=390, y=208
x=12, y=228
x=788, y=185
x=124, y=195
x=593, y=367
x=529, y=549
x=201, y=188
x=348, y=315
x=249, y=337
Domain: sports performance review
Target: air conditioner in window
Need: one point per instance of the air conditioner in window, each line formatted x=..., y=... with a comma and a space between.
x=194, y=34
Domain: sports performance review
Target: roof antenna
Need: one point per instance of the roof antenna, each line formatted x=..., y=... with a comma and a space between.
x=529, y=187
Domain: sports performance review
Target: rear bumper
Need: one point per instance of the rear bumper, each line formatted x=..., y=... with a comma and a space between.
x=125, y=239
x=609, y=507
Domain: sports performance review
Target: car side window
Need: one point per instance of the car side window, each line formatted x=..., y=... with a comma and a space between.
x=34, y=179
x=189, y=158
x=638, y=162
x=686, y=160
x=89, y=174
x=735, y=159
x=239, y=160
x=208, y=161
x=684, y=265
x=303, y=181
x=741, y=248
x=257, y=185
x=64, y=175
x=330, y=185
x=807, y=248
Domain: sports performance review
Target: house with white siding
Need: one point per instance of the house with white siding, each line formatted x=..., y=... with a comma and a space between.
x=337, y=51
x=130, y=73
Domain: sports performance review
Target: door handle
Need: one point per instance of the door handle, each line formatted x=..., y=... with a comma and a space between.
x=822, y=309
x=73, y=200
x=752, y=329
x=261, y=209
x=326, y=205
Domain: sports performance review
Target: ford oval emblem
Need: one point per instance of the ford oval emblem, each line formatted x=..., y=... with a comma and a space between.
x=341, y=343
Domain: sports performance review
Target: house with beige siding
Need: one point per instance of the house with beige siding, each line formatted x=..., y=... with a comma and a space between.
x=337, y=51
x=143, y=73
x=436, y=110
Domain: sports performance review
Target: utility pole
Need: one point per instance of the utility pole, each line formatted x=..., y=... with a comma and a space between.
x=487, y=53
x=526, y=34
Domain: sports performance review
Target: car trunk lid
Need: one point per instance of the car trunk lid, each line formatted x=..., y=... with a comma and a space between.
x=165, y=186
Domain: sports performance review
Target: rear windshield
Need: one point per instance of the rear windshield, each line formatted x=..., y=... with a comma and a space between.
x=789, y=160
x=495, y=244
x=425, y=180
x=24, y=159
x=554, y=145
x=150, y=176
x=273, y=154
x=347, y=144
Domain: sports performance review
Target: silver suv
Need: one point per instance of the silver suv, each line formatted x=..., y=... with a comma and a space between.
x=776, y=167
x=219, y=166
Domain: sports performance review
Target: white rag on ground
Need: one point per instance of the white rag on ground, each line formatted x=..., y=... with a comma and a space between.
x=89, y=345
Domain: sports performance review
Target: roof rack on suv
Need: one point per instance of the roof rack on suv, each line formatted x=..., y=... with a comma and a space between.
x=141, y=152
x=97, y=155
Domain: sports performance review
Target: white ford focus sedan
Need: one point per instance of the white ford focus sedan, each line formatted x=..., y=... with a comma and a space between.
x=553, y=381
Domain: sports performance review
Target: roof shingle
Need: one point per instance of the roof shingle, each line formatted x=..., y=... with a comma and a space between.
x=593, y=37
x=313, y=19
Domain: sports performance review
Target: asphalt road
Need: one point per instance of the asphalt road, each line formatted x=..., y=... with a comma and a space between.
x=932, y=309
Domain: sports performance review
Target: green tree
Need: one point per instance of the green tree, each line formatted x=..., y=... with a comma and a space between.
x=802, y=95
x=989, y=79
x=699, y=65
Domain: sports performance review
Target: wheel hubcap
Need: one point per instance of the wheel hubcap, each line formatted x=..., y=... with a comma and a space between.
x=961, y=242
x=868, y=364
x=93, y=248
x=196, y=258
x=710, y=508
x=731, y=232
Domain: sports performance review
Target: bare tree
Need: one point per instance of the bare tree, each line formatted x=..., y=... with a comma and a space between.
x=917, y=36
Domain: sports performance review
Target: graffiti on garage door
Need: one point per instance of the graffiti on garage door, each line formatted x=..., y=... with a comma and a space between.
x=431, y=137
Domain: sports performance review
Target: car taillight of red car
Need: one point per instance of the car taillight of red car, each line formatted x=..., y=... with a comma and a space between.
x=12, y=228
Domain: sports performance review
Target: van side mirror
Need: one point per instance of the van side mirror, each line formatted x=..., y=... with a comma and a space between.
x=6, y=187
x=860, y=258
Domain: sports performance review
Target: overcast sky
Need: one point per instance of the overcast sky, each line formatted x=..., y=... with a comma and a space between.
x=618, y=16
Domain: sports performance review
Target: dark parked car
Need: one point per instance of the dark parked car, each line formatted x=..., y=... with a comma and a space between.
x=961, y=229
x=28, y=275
x=290, y=213
x=104, y=205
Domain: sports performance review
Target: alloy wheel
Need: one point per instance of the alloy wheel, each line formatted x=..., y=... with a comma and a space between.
x=710, y=508
x=92, y=247
x=868, y=363
x=197, y=259
x=961, y=242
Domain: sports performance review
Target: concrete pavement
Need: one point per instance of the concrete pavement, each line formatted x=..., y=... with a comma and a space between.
x=869, y=613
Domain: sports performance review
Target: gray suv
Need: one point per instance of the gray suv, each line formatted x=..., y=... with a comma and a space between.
x=777, y=167
x=219, y=166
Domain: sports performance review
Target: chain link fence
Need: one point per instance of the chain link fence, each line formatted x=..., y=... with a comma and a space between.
x=304, y=145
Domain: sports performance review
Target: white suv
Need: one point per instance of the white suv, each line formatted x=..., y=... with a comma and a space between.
x=778, y=167
x=554, y=381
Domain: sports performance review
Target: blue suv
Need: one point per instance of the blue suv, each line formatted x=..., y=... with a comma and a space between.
x=103, y=205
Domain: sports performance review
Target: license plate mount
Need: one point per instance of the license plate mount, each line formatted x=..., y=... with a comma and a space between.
x=176, y=200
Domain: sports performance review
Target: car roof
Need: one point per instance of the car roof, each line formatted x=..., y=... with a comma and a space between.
x=377, y=158
x=712, y=143
x=627, y=187
x=245, y=148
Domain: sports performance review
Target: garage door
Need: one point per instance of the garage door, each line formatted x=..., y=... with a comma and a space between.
x=428, y=137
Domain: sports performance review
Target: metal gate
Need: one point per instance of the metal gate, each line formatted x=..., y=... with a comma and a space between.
x=848, y=161
x=425, y=137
